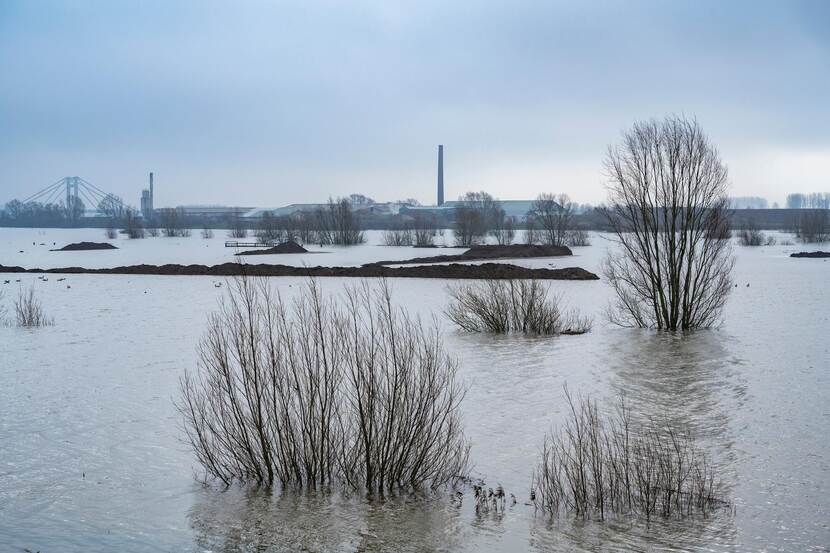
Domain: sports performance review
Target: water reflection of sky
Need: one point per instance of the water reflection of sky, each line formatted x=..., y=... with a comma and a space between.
x=93, y=395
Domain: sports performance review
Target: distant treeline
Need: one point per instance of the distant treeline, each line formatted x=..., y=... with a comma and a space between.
x=477, y=215
x=816, y=200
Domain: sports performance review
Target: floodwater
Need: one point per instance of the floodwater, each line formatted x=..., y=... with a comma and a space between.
x=91, y=457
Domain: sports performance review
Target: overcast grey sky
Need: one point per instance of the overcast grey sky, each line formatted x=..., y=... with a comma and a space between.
x=268, y=103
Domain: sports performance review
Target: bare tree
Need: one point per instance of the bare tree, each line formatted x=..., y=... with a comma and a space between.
x=475, y=216
x=237, y=226
x=29, y=310
x=168, y=218
x=553, y=215
x=303, y=223
x=132, y=224
x=504, y=231
x=666, y=204
x=268, y=230
x=578, y=237
x=113, y=207
x=424, y=228
x=74, y=209
x=111, y=233
x=207, y=233
x=402, y=235
x=337, y=224
x=813, y=226
x=531, y=230
x=321, y=390
x=750, y=235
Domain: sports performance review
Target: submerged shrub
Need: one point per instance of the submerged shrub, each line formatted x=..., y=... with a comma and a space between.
x=596, y=465
x=398, y=237
x=503, y=306
x=317, y=391
x=750, y=235
x=578, y=237
x=29, y=310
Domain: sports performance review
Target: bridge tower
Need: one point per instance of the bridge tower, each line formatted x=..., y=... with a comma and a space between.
x=71, y=190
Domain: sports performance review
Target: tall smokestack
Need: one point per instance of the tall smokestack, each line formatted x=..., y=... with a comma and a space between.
x=151, y=190
x=440, y=174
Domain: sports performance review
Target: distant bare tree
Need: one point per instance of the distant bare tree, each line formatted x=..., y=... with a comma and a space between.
x=132, y=224
x=111, y=233
x=425, y=228
x=360, y=199
x=113, y=207
x=74, y=209
x=504, y=231
x=168, y=218
x=813, y=226
x=401, y=235
x=667, y=198
x=554, y=217
x=207, y=233
x=337, y=224
x=237, y=227
x=268, y=229
x=531, y=231
x=304, y=224
x=475, y=216
x=750, y=235
x=578, y=237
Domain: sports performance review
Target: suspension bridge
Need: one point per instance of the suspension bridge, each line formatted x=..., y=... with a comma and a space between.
x=72, y=190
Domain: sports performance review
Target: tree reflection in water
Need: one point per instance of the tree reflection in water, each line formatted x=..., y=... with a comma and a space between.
x=236, y=519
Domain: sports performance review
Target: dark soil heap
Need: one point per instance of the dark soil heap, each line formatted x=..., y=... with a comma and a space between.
x=451, y=271
x=285, y=247
x=476, y=253
x=815, y=255
x=83, y=246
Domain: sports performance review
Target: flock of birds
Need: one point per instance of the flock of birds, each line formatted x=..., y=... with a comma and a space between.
x=42, y=278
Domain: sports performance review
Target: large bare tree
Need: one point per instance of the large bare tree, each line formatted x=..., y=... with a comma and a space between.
x=667, y=200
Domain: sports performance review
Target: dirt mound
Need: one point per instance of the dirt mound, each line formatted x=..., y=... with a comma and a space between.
x=516, y=250
x=83, y=246
x=285, y=247
x=475, y=253
x=451, y=271
x=815, y=255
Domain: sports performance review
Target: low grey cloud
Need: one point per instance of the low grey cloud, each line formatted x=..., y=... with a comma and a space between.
x=267, y=103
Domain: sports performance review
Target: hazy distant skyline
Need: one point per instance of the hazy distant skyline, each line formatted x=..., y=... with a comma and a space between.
x=255, y=103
